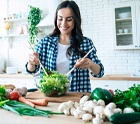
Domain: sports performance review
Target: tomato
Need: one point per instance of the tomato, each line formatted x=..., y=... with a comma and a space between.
x=14, y=95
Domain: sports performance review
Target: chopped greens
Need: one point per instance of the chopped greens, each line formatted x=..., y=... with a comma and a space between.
x=54, y=84
x=128, y=98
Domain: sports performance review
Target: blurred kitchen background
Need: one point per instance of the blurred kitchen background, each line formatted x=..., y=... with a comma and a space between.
x=99, y=22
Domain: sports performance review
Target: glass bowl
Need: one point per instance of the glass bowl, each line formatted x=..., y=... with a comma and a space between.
x=53, y=86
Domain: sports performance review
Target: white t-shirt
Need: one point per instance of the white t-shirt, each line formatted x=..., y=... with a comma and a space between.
x=62, y=61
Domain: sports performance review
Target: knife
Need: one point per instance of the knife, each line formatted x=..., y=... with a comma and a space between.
x=32, y=89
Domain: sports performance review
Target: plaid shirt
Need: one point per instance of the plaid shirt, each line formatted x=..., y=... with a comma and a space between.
x=47, y=49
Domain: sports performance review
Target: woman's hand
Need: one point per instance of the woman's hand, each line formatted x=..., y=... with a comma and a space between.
x=88, y=64
x=34, y=59
x=83, y=63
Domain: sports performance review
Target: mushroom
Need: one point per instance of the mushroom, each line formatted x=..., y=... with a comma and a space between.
x=90, y=103
x=111, y=105
x=76, y=104
x=78, y=113
x=128, y=110
x=109, y=109
x=22, y=91
x=87, y=117
x=99, y=110
x=65, y=106
x=117, y=110
x=87, y=109
x=101, y=102
x=67, y=111
x=97, y=119
x=72, y=110
x=84, y=99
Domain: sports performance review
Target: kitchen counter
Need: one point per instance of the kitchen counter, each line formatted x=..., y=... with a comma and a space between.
x=8, y=117
x=20, y=75
x=105, y=77
x=117, y=77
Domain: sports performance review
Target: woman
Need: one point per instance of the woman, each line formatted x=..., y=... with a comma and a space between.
x=63, y=49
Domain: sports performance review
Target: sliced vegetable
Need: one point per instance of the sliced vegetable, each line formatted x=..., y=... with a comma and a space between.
x=125, y=118
x=104, y=94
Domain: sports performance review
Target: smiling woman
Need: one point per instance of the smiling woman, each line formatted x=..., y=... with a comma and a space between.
x=67, y=35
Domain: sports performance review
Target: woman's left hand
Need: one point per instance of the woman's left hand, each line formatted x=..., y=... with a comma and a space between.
x=83, y=63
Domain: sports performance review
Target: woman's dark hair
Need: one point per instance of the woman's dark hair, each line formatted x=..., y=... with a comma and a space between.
x=77, y=34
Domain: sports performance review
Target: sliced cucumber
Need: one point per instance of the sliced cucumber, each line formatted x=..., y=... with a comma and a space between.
x=125, y=118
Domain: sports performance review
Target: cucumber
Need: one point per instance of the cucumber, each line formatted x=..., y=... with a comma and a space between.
x=125, y=118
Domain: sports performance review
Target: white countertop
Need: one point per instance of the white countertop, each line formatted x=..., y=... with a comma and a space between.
x=20, y=75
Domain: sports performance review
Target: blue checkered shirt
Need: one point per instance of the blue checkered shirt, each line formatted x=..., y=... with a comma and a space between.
x=47, y=49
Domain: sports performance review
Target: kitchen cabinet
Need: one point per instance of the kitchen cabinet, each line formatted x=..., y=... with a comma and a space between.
x=126, y=25
x=131, y=83
x=18, y=80
x=122, y=82
x=111, y=84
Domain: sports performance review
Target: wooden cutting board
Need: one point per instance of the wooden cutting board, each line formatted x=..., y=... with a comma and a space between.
x=74, y=96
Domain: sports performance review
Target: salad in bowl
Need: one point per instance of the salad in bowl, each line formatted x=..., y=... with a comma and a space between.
x=54, y=84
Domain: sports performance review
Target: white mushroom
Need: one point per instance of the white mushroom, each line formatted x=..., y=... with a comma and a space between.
x=78, y=113
x=87, y=117
x=72, y=110
x=98, y=110
x=101, y=102
x=66, y=111
x=117, y=110
x=92, y=104
x=76, y=104
x=111, y=105
x=97, y=120
x=65, y=106
x=128, y=110
x=108, y=112
x=87, y=109
x=84, y=99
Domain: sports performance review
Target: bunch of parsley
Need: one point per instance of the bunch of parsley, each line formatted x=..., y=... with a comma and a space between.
x=128, y=98
x=3, y=99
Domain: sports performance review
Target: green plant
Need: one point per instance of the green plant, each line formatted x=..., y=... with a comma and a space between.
x=34, y=18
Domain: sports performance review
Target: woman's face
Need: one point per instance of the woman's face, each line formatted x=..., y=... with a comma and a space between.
x=65, y=22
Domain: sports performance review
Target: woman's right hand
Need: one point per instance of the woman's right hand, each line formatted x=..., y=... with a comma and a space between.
x=34, y=58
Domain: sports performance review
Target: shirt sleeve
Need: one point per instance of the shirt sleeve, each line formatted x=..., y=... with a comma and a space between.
x=32, y=72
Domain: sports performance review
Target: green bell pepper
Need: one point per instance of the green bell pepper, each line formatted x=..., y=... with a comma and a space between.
x=104, y=94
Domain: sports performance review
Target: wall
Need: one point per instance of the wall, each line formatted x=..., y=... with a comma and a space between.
x=96, y=24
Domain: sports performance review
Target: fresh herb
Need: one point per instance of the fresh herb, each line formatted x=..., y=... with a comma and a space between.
x=23, y=109
x=2, y=90
x=128, y=98
x=3, y=99
x=34, y=18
